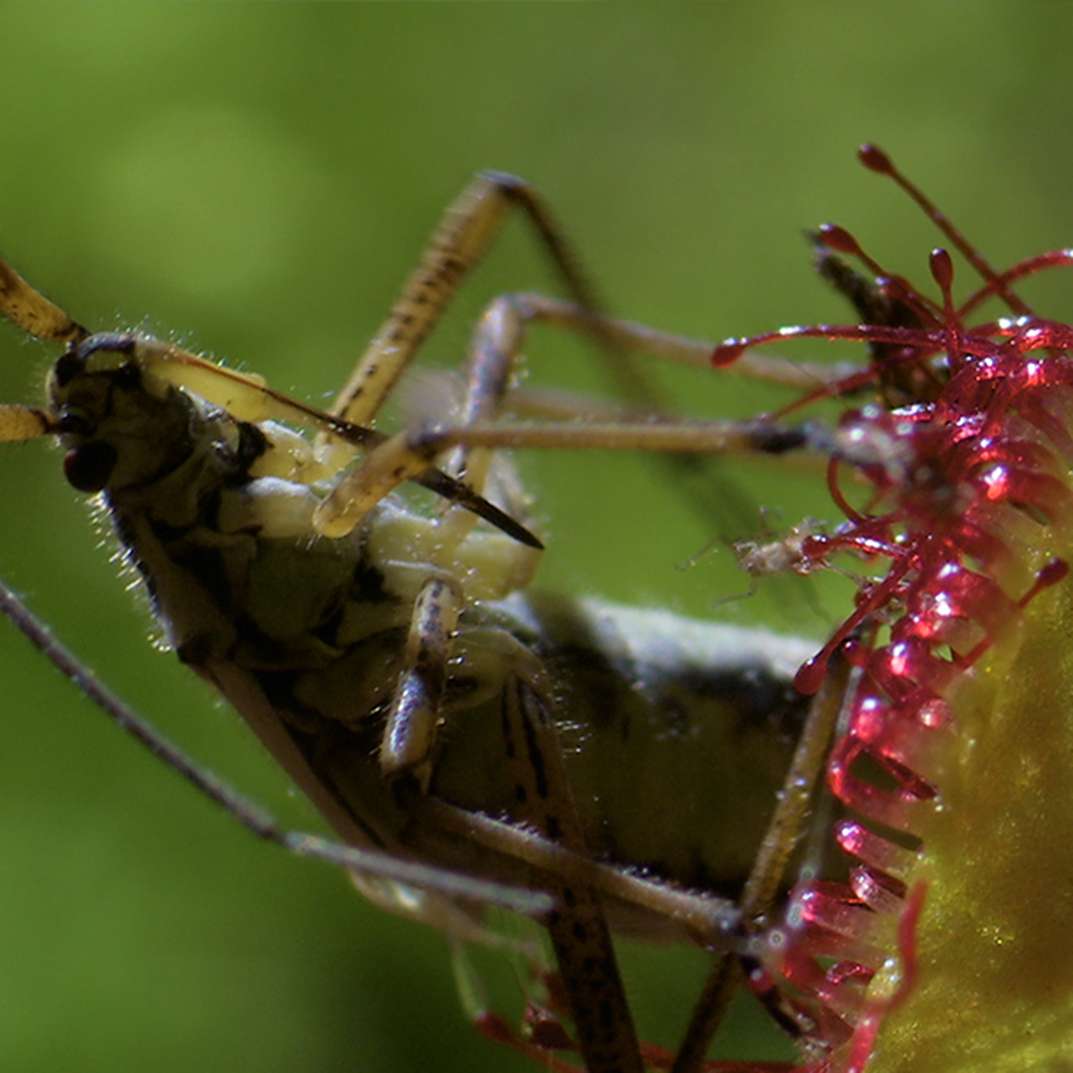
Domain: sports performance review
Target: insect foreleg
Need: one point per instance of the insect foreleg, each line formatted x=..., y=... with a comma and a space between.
x=21, y=423
x=415, y=713
x=33, y=312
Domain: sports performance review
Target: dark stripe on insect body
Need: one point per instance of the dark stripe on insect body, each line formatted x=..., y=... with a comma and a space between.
x=532, y=746
x=252, y=444
x=507, y=730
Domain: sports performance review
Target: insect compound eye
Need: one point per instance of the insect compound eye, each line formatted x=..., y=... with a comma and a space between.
x=89, y=466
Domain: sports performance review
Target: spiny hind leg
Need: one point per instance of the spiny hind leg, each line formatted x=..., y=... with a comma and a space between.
x=463, y=236
x=543, y=800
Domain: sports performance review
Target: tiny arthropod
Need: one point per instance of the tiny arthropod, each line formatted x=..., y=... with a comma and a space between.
x=470, y=743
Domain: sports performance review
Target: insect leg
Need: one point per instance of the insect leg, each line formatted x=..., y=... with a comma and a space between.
x=707, y=919
x=463, y=236
x=362, y=862
x=20, y=423
x=768, y=873
x=409, y=453
x=494, y=351
x=30, y=310
x=636, y=338
x=577, y=926
x=498, y=342
x=500, y=336
x=412, y=721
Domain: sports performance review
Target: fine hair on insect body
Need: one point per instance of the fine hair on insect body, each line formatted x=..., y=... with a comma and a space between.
x=383, y=653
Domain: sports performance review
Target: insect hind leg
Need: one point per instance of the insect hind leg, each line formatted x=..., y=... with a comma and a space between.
x=577, y=926
x=461, y=239
x=768, y=873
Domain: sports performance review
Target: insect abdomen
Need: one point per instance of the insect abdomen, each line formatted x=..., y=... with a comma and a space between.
x=676, y=734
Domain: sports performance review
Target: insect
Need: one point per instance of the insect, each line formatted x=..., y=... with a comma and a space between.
x=962, y=461
x=468, y=743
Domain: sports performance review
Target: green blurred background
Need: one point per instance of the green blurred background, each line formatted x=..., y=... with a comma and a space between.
x=256, y=180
